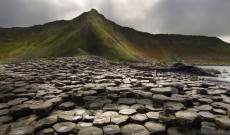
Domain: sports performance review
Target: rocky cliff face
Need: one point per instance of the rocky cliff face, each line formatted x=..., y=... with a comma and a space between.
x=93, y=33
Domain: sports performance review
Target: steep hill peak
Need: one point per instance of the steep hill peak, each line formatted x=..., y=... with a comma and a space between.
x=93, y=11
x=93, y=14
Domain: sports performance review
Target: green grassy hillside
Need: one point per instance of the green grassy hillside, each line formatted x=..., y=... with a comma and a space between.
x=96, y=35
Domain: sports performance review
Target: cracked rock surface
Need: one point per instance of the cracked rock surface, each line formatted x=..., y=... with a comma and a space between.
x=89, y=95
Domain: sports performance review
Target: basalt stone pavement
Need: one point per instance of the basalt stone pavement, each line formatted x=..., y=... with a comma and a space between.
x=91, y=96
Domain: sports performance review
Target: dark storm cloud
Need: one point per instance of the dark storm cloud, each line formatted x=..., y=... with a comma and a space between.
x=30, y=12
x=193, y=17
x=206, y=17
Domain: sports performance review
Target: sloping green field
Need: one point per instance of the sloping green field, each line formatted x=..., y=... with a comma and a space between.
x=93, y=33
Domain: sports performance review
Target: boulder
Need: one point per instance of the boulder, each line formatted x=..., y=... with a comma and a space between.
x=119, y=120
x=41, y=108
x=181, y=131
x=24, y=130
x=91, y=131
x=67, y=106
x=6, y=119
x=48, y=131
x=139, y=118
x=160, y=99
x=64, y=127
x=82, y=125
x=191, y=69
x=128, y=111
x=188, y=119
x=172, y=107
x=167, y=91
x=21, y=110
x=167, y=119
x=203, y=108
x=101, y=120
x=111, y=130
x=155, y=128
x=223, y=122
x=69, y=116
x=153, y=116
x=126, y=101
x=4, y=112
x=131, y=129
x=207, y=116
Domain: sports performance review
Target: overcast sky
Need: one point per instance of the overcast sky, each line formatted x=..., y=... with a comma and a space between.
x=190, y=17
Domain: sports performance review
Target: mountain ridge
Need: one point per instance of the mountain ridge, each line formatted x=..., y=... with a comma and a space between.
x=95, y=34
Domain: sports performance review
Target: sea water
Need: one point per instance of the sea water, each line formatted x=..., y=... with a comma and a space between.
x=225, y=72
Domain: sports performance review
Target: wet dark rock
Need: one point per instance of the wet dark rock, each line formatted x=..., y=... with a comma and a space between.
x=41, y=108
x=205, y=101
x=21, y=110
x=126, y=101
x=167, y=119
x=96, y=105
x=88, y=117
x=219, y=111
x=190, y=69
x=4, y=106
x=181, y=131
x=17, y=101
x=110, y=107
x=139, y=118
x=207, y=85
x=5, y=129
x=167, y=91
x=128, y=111
x=111, y=130
x=153, y=116
x=155, y=128
x=223, y=122
x=201, y=91
x=160, y=99
x=136, y=129
x=55, y=101
x=171, y=107
x=43, y=123
x=207, y=131
x=82, y=125
x=110, y=114
x=119, y=120
x=101, y=120
x=48, y=131
x=209, y=125
x=203, y=107
x=4, y=112
x=64, y=127
x=144, y=101
x=143, y=94
x=188, y=119
x=69, y=116
x=24, y=130
x=6, y=119
x=66, y=106
x=207, y=116
x=90, y=131
x=220, y=105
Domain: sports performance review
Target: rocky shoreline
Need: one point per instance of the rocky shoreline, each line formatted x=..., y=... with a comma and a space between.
x=88, y=95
